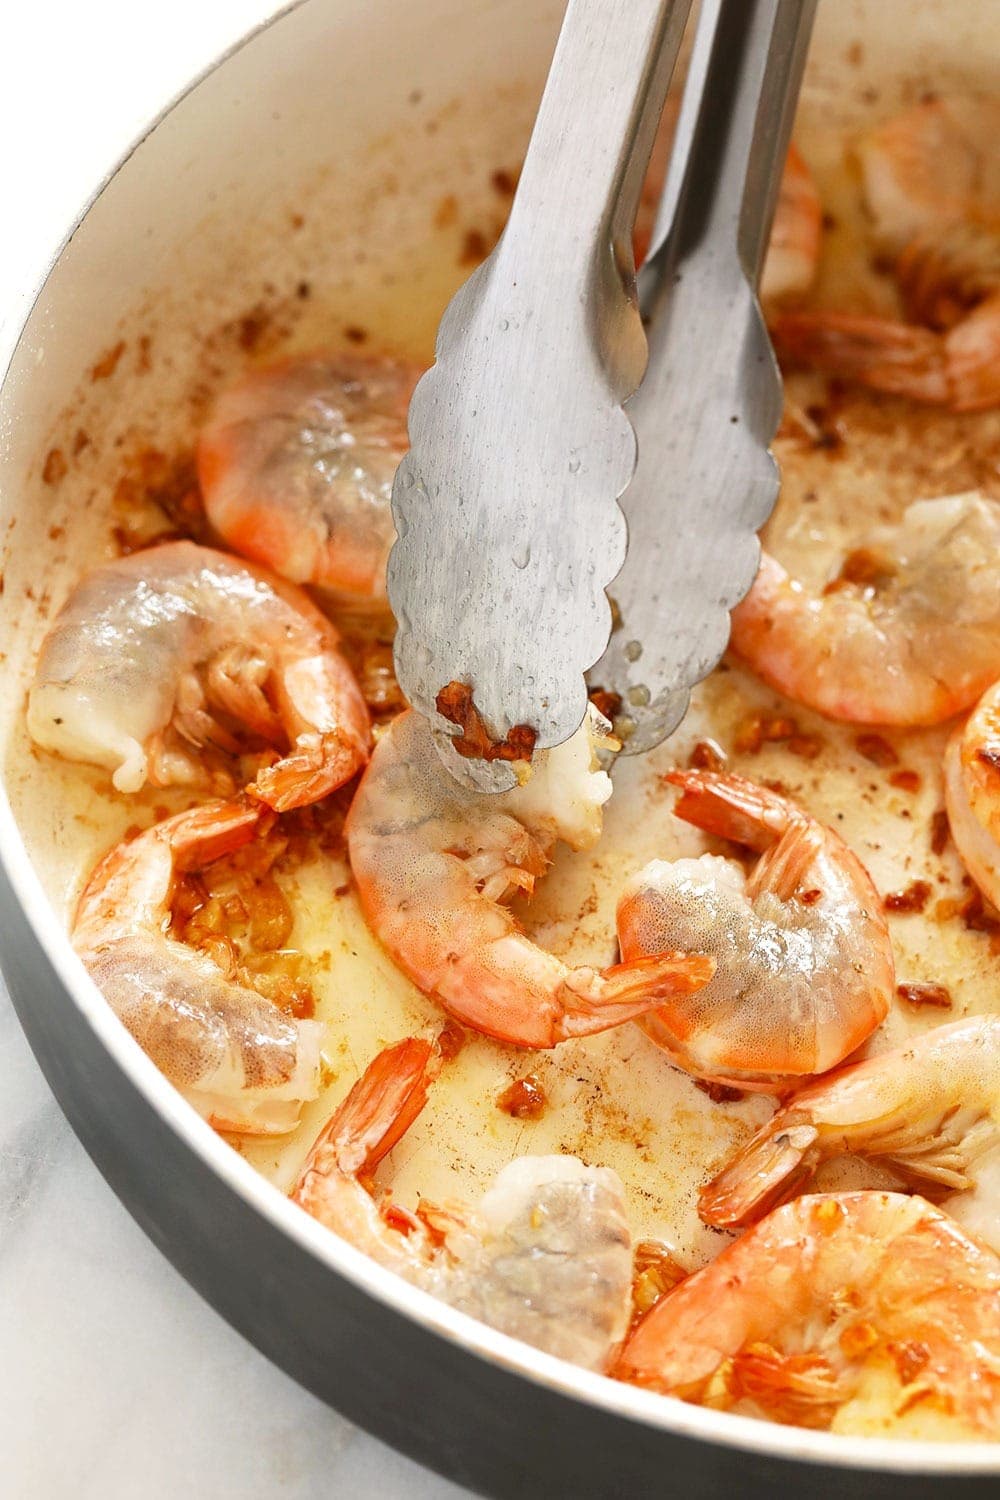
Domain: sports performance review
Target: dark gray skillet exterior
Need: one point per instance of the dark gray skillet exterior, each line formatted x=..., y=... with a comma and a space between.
x=470, y=1419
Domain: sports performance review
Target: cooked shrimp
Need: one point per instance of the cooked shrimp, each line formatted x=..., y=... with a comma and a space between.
x=796, y=235
x=848, y=1311
x=909, y=633
x=959, y=368
x=804, y=969
x=296, y=466
x=156, y=657
x=933, y=190
x=243, y=1064
x=545, y=1256
x=930, y=1109
x=434, y=862
x=972, y=792
x=931, y=166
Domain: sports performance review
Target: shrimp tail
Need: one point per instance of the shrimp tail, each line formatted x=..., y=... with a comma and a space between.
x=626, y=991
x=771, y=1168
x=731, y=807
x=318, y=766
x=215, y=829
x=377, y=1112
x=885, y=355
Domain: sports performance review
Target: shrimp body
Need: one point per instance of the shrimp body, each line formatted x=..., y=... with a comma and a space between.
x=796, y=235
x=972, y=792
x=545, y=1255
x=846, y=1311
x=156, y=657
x=244, y=1065
x=296, y=466
x=932, y=189
x=908, y=635
x=433, y=862
x=931, y=1110
x=804, y=969
x=929, y=167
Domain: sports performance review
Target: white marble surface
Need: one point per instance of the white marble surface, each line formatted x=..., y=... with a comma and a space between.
x=116, y=1380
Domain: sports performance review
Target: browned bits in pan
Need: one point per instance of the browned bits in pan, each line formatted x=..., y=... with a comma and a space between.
x=913, y=898
x=877, y=749
x=608, y=704
x=707, y=755
x=656, y=1273
x=454, y=703
x=905, y=780
x=108, y=362
x=55, y=466
x=525, y=1099
x=921, y=994
x=451, y=1039
x=719, y=1093
x=939, y=831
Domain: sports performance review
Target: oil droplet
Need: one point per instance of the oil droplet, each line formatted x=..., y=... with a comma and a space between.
x=638, y=696
x=633, y=650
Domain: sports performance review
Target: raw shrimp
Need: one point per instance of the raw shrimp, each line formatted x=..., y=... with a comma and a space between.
x=159, y=657
x=804, y=964
x=908, y=633
x=434, y=862
x=296, y=466
x=244, y=1065
x=862, y=1312
x=545, y=1256
x=930, y=1110
x=972, y=792
x=932, y=188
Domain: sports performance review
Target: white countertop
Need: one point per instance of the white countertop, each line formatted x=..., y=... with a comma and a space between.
x=116, y=1380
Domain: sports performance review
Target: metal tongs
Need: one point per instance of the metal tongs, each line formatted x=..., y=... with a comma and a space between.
x=506, y=507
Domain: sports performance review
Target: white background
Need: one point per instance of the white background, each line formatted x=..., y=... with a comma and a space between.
x=116, y=1381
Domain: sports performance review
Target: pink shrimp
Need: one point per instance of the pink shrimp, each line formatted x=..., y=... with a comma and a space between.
x=296, y=465
x=241, y=1061
x=804, y=969
x=156, y=657
x=433, y=863
x=930, y=1110
x=544, y=1256
x=908, y=633
x=848, y=1310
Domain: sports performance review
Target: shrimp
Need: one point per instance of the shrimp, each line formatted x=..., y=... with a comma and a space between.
x=930, y=1110
x=933, y=192
x=972, y=792
x=796, y=235
x=545, y=1256
x=847, y=1311
x=931, y=166
x=296, y=465
x=907, y=634
x=236, y=1057
x=433, y=863
x=804, y=964
x=156, y=657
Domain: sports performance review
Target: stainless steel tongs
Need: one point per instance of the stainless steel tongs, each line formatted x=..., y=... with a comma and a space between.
x=507, y=505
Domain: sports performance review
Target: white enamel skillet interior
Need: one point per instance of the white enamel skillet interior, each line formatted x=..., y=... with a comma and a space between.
x=357, y=118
